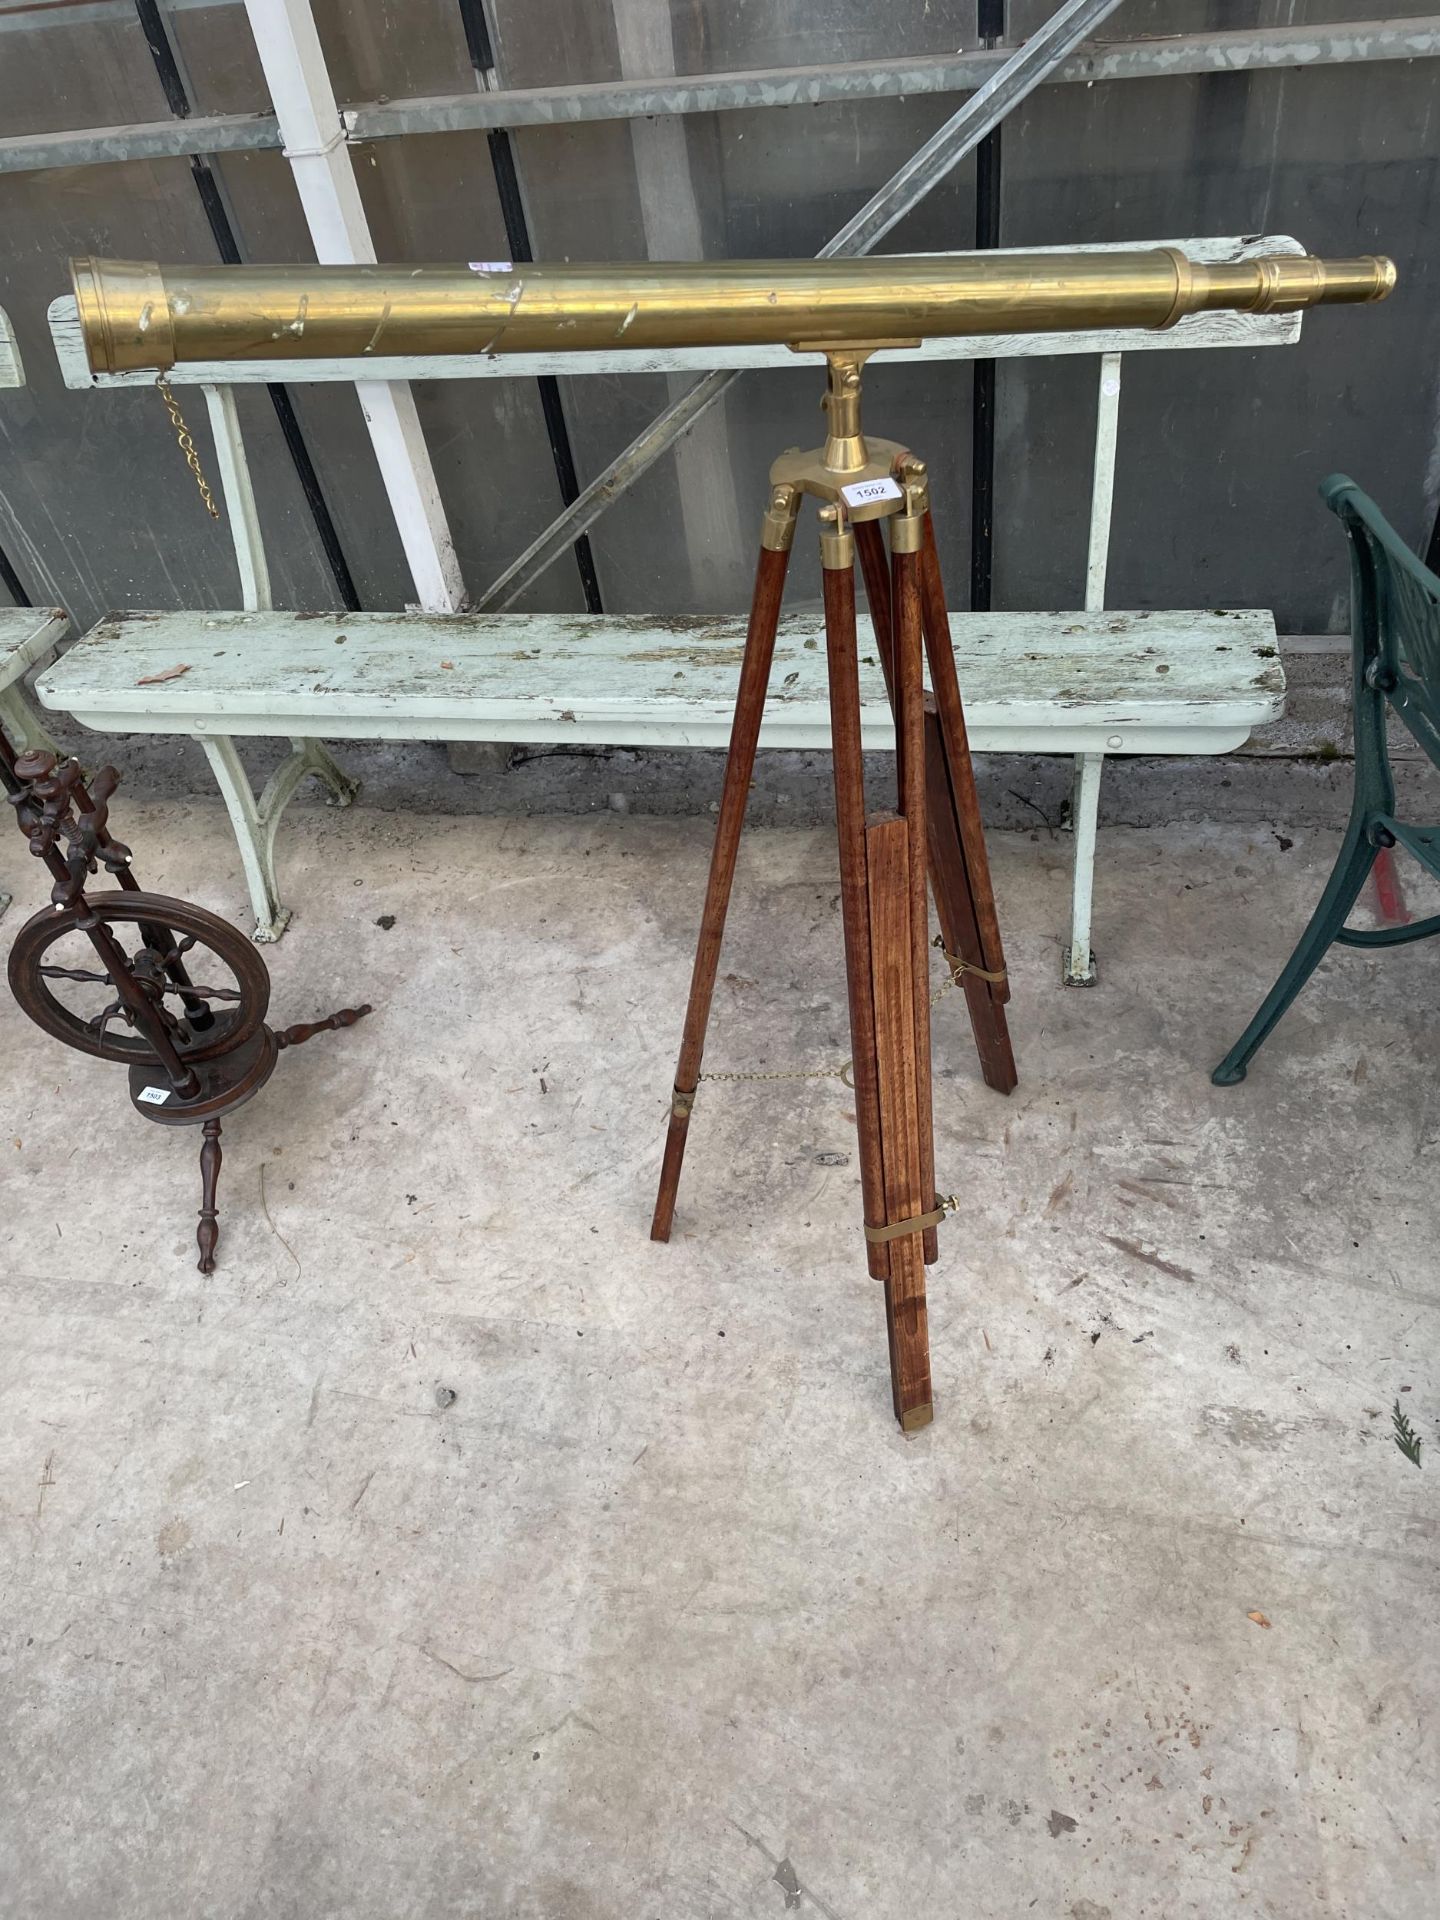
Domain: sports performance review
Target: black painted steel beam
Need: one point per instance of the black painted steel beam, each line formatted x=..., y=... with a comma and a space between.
x=517, y=238
x=177, y=98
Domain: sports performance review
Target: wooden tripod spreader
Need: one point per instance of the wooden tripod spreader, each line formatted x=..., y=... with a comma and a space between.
x=933, y=832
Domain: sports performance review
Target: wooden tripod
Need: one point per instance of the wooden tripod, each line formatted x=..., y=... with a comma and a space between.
x=883, y=857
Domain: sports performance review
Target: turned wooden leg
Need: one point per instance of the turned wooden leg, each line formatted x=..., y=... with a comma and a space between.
x=739, y=766
x=297, y=1036
x=207, y=1234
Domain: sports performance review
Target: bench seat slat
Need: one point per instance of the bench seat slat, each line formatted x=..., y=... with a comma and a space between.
x=27, y=634
x=618, y=681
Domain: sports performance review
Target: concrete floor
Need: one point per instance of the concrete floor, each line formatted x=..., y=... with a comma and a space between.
x=662, y=1616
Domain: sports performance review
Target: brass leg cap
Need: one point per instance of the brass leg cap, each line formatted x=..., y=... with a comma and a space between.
x=916, y=1417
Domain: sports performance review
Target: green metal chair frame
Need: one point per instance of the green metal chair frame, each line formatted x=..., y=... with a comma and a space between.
x=1395, y=620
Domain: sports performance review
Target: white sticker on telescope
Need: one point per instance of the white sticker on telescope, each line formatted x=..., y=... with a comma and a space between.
x=154, y=1096
x=863, y=493
x=491, y=266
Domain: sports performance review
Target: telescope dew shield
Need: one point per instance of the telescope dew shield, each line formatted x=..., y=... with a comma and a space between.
x=137, y=315
x=124, y=315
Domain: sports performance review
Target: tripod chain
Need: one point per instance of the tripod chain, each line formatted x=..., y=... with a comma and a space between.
x=958, y=969
x=841, y=1073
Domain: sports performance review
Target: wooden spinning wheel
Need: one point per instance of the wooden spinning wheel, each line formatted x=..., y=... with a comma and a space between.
x=168, y=989
x=200, y=1018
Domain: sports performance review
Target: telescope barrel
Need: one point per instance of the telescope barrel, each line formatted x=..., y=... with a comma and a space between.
x=135, y=314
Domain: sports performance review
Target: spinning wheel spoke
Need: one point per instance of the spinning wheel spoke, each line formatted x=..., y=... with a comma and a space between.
x=206, y=993
x=76, y=973
x=180, y=947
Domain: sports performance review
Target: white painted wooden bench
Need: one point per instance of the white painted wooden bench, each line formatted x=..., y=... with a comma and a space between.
x=28, y=635
x=1087, y=683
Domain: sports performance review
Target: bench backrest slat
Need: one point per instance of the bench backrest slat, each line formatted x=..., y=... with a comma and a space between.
x=12, y=370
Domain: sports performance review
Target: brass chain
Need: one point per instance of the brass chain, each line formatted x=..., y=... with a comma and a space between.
x=957, y=970
x=186, y=444
x=841, y=1073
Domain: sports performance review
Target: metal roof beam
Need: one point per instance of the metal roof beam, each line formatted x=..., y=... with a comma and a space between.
x=1247, y=50
x=1021, y=73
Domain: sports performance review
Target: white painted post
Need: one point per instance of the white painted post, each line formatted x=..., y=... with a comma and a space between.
x=1078, y=969
x=1102, y=485
x=255, y=821
x=310, y=124
x=235, y=484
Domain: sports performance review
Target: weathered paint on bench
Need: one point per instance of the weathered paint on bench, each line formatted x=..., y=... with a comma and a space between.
x=1087, y=684
x=12, y=368
x=28, y=635
x=1033, y=682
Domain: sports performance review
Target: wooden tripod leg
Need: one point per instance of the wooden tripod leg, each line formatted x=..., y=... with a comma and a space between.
x=949, y=875
x=964, y=896
x=838, y=575
x=909, y=1192
x=207, y=1234
x=955, y=911
x=739, y=766
x=875, y=570
x=910, y=744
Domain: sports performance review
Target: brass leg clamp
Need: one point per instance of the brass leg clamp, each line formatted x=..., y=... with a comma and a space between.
x=681, y=1104
x=919, y=1223
x=958, y=967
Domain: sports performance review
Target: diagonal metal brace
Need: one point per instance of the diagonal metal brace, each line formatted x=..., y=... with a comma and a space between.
x=1026, y=68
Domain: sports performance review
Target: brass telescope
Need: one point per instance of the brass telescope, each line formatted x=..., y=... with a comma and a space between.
x=136, y=315
x=873, y=499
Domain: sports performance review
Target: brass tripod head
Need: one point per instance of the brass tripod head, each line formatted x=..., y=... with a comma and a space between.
x=854, y=477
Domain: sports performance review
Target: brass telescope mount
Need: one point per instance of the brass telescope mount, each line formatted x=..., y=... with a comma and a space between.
x=934, y=832
x=847, y=459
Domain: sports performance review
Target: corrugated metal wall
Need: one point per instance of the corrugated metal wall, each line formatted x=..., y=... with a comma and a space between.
x=1220, y=452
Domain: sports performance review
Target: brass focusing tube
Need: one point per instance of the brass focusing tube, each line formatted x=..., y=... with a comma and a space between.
x=135, y=314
